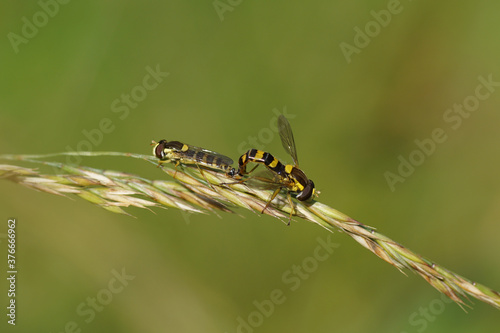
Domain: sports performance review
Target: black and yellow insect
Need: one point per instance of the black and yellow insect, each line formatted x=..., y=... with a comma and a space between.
x=181, y=153
x=288, y=177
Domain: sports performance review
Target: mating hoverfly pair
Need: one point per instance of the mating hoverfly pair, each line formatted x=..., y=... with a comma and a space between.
x=282, y=176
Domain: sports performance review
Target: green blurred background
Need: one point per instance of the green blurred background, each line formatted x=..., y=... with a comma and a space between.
x=227, y=73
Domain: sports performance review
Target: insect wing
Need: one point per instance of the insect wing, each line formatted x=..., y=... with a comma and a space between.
x=264, y=180
x=287, y=140
x=221, y=158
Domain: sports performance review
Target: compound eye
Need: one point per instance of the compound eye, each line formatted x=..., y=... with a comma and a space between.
x=160, y=150
x=307, y=192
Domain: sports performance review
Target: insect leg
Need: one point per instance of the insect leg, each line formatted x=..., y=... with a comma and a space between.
x=176, y=165
x=272, y=198
x=292, y=207
x=201, y=172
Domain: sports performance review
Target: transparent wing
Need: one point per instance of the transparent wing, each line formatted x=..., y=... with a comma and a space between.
x=287, y=140
x=263, y=180
x=222, y=158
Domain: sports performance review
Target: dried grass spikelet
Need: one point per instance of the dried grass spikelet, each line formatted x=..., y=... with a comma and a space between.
x=196, y=191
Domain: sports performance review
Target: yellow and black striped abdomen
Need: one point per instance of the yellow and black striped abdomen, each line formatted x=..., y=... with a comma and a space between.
x=259, y=156
x=206, y=158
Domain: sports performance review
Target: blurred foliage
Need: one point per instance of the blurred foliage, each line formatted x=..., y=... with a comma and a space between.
x=351, y=122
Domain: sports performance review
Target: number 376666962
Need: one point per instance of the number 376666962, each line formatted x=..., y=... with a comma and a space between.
x=11, y=259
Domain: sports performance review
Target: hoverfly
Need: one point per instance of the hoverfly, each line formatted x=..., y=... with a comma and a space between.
x=285, y=176
x=178, y=152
